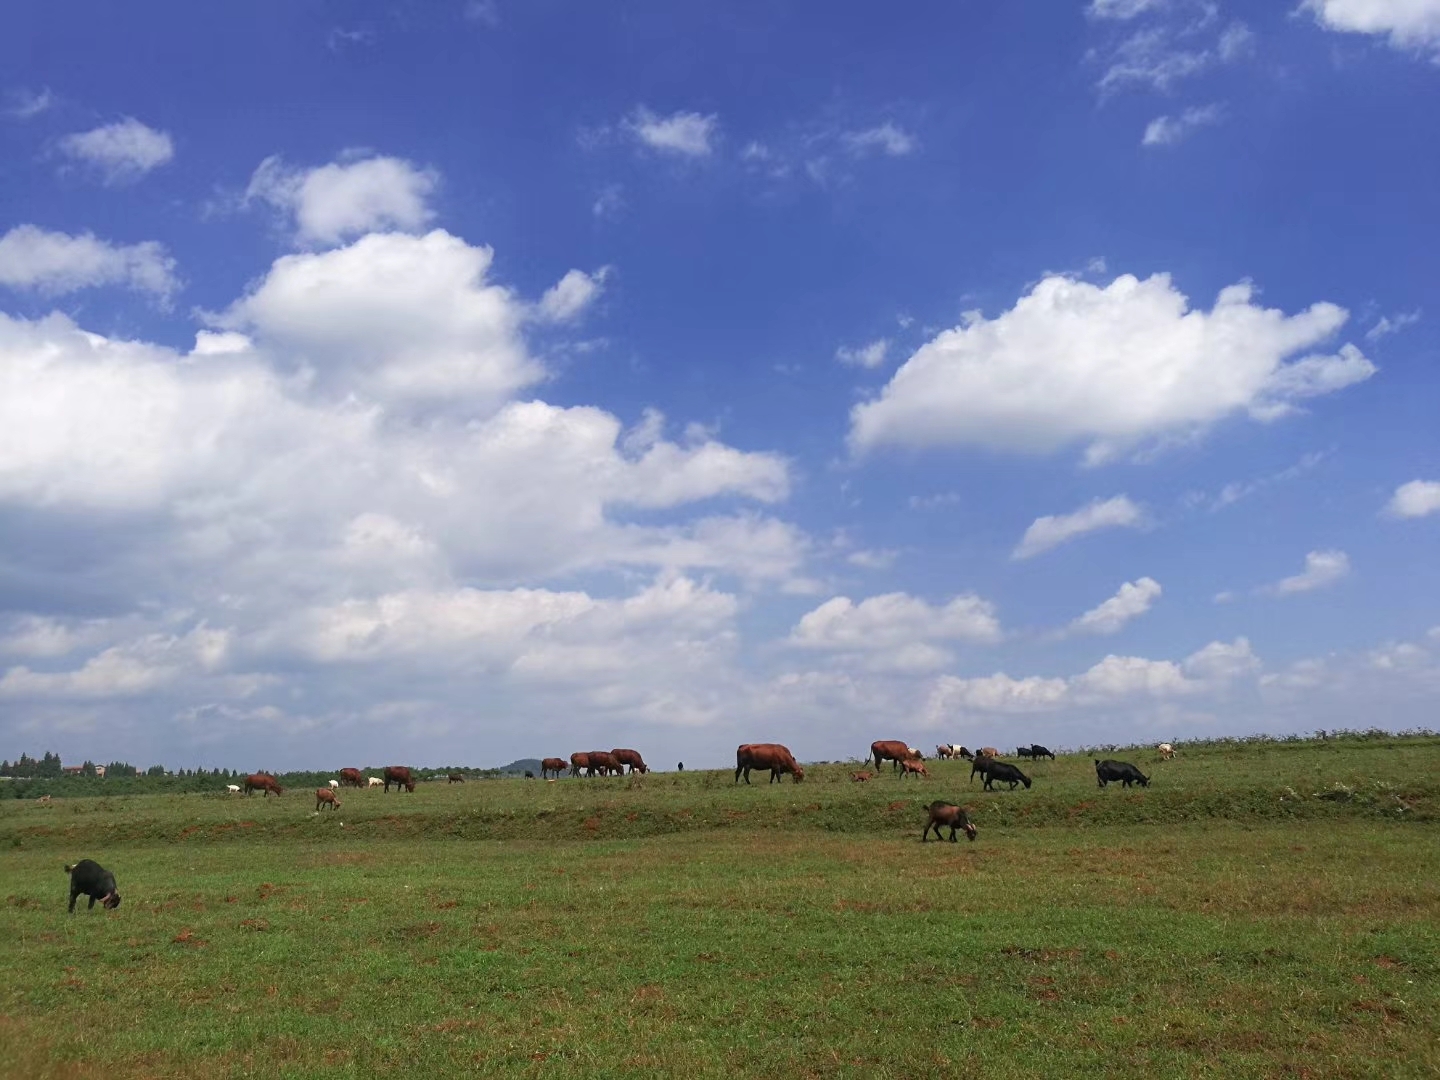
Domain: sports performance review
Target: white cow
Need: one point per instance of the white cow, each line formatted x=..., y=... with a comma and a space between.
x=334, y=785
x=375, y=781
x=1166, y=751
x=233, y=789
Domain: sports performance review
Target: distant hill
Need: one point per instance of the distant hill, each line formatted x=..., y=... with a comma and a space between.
x=520, y=766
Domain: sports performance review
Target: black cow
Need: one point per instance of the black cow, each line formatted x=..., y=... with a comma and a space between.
x=1003, y=771
x=1127, y=774
x=1035, y=752
x=92, y=879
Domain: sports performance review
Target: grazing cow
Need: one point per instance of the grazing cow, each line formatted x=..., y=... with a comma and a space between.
x=962, y=752
x=861, y=777
x=890, y=750
x=944, y=750
x=1000, y=770
x=1023, y=751
x=680, y=767
x=351, y=778
x=456, y=778
x=325, y=796
x=374, y=781
x=987, y=751
x=552, y=764
x=264, y=783
x=766, y=755
x=579, y=762
x=631, y=758
x=43, y=800
x=92, y=879
x=979, y=763
x=1127, y=774
x=1037, y=752
x=334, y=785
x=913, y=765
x=603, y=764
x=943, y=813
x=400, y=776
x=529, y=775
x=1166, y=751
x=233, y=789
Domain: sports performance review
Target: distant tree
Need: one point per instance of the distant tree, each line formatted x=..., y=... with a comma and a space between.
x=88, y=769
x=155, y=770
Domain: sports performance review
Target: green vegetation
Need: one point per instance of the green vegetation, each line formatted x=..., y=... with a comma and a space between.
x=1229, y=921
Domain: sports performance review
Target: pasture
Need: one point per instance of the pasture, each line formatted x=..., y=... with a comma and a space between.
x=1225, y=922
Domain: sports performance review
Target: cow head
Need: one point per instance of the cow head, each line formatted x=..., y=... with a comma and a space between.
x=410, y=786
x=110, y=900
x=799, y=774
x=969, y=830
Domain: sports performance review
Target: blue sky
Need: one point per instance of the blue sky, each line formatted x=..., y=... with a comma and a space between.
x=465, y=381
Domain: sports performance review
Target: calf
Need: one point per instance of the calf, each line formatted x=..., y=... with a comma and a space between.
x=944, y=751
x=334, y=785
x=1127, y=774
x=861, y=777
x=1024, y=751
x=913, y=765
x=987, y=751
x=1166, y=751
x=943, y=813
x=325, y=796
x=1002, y=771
x=374, y=781
x=233, y=789
x=92, y=879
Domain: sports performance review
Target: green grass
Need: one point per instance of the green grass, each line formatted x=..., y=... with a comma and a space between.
x=681, y=925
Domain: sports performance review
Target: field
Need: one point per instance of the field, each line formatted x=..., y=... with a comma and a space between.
x=1225, y=922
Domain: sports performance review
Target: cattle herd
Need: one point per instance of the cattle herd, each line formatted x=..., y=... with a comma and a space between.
x=88, y=878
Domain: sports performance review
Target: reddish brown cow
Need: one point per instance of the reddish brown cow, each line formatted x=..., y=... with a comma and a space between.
x=631, y=758
x=861, y=777
x=889, y=750
x=987, y=751
x=262, y=782
x=943, y=813
x=578, y=763
x=603, y=763
x=552, y=764
x=325, y=797
x=400, y=776
x=351, y=778
x=766, y=755
x=913, y=765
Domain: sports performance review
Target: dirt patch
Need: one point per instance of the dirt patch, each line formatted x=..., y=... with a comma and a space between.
x=255, y=924
x=186, y=936
x=1040, y=956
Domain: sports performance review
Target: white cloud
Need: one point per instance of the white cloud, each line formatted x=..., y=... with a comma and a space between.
x=1121, y=9
x=884, y=139
x=52, y=263
x=345, y=199
x=1131, y=601
x=1152, y=58
x=1387, y=325
x=1052, y=530
x=1237, y=42
x=1222, y=662
x=1407, y=24
x=1237, y=490
x=1322, y=568
x=609, y=203
x=1169, y=130
x=1418, y=498
x=568, y=298
x=688, y=134
x=1114, y=367
x=136, y=668
x=865, y=356
x=872, y=560
x=896, y=631
x=123, y=151
x=27, y=104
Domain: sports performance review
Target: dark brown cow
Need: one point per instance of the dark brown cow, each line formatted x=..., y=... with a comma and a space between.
x=766, y=755
x=400, y=776
x=325, y=797
x=455, y=778
x=262, y=782
x=552, y=764
x=890, y=750
x=943, y=813
x=631, y=758
x=351, y=778
x=578, y=763
x=603, y=763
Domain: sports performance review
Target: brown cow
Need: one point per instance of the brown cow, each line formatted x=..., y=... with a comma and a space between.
x=943, y=813
x=552, y=764
x=766, y=755
x=351, y=778
x=861, y=777
x=913, y=765
x=455, y=778
x=987, y=751
x=262, y=782
x=325, y=797
x=400, y=776
x=631, y=758
x=603, y=763
x=890, y=750
x=579, y=762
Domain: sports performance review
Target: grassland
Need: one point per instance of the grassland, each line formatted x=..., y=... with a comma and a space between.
x=1226, y=922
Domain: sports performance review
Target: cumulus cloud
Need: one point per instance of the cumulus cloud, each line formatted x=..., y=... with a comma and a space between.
x=1113, y=367
x=1391, y=324
x=1406, y=24
x=120, y=152
x=884, y=139
x=1169, y=130
x=896, y=631
x=1418, y=498
x=1053, y=530
x=1131, y=601
x=27, y=104
x=1322, y=568
x=568, y=298
x=1121, y=9
x=345, y=199
x=52, y=263
x=685, y=134
x=864, y=356
x=139, y=667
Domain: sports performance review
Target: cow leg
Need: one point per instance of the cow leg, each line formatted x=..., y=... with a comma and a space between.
x=74, y=895
x=91, y=906
x=925, y=833
x=952, y=834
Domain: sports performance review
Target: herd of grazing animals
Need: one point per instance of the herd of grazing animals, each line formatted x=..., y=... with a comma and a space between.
x=88, y=878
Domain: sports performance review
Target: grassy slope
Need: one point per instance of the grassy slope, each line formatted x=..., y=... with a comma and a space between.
x=1143, y=934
